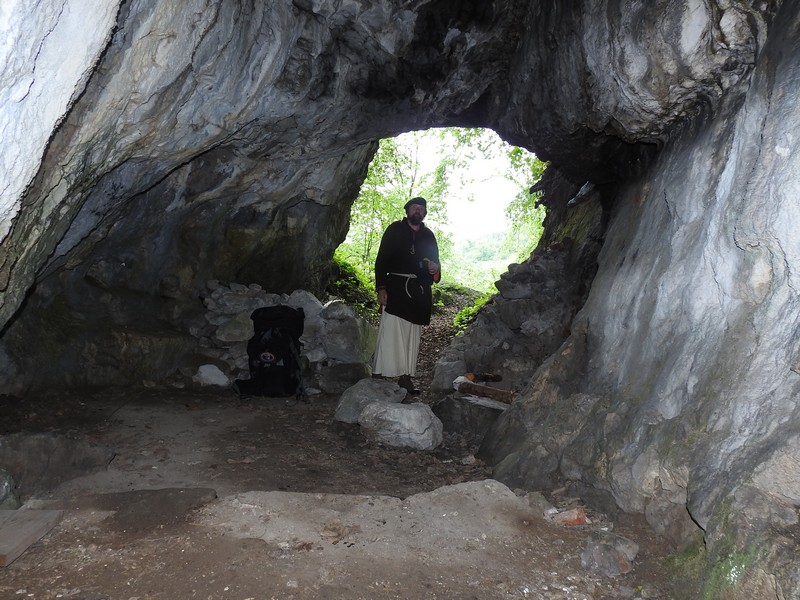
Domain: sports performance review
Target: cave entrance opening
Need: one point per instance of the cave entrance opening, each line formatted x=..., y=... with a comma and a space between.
x=479, y=201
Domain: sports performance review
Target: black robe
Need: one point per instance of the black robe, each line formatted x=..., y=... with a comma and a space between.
x=404, y=251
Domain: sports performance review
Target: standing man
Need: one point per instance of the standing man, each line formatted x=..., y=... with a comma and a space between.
x=405, y=268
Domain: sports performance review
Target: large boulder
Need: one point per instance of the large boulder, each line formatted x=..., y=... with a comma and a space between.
x=355, y=398
x=401, y=425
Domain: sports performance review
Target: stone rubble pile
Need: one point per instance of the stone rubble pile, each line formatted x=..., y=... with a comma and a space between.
x=605, y=553
x=337, y=344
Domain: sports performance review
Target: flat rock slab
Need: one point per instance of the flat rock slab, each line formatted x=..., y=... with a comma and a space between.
x=457, y=522
x=21, y=528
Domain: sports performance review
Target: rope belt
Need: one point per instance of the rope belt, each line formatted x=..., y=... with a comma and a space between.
x=409, y=277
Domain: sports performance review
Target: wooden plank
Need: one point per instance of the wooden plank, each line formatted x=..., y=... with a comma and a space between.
x=467, y=387
x=473, y=377
x=21, y=528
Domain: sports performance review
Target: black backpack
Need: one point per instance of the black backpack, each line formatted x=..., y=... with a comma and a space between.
x=274, y=353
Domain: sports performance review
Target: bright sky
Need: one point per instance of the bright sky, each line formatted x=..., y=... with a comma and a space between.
x=477, y=207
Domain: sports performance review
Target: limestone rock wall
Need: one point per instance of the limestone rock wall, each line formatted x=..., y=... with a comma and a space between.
x=39, y=82
x=226, y=119
x=677, y=392
x=212, y=140
x=622, y=74
x=173, y=143
x=532, y=314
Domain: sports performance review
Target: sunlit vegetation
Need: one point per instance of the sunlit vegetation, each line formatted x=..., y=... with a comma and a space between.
x=448, y=167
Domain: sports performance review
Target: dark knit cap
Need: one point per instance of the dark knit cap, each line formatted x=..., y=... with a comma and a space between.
x=417, y=200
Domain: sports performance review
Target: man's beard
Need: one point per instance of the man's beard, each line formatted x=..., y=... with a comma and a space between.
x=415, y=219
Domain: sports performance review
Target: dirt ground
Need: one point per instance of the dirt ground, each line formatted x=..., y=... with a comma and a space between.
x=211, y=496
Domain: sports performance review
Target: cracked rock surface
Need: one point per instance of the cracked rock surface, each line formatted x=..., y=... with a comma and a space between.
x=150, y=146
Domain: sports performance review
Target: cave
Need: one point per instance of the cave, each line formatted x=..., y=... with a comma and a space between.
x=155, y=151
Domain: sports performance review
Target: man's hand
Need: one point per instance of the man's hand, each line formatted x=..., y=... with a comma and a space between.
x=433, y=267
x=383, y=297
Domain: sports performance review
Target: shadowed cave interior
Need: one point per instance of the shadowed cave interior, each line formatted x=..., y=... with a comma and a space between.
x=191, y=164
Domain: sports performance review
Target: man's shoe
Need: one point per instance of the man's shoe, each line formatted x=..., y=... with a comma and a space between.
x=406, y=383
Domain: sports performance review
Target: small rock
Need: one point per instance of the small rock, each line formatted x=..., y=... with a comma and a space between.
x=609, y=554
x=571, y=518
x=336, y=309
x=211, y=375
x=540, y=504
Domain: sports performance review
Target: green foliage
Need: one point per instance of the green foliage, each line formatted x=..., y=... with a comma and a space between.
x=376, y=205
x=394, y=176
x=526, y=225
x=525, y=219
x=483, y=249
x=354, y=288
x=525, y=216
x=449, y=293
x=481, y=261
x=691, y=563
x=403, y=167
x=695, y=569
x=468, y=143
x=468, y=314
x=727, y=573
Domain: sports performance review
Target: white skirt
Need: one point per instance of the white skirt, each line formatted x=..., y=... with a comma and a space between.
x=397, y=348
